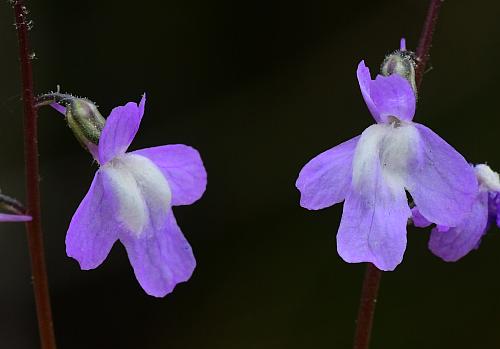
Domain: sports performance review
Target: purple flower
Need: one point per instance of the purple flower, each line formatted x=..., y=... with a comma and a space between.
x=131, y=199
x=452, y=243
x=372, y=171
x=6, y=217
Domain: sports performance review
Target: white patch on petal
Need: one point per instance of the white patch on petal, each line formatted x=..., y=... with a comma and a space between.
x=488, y=179
x=142, y=192
x=393, y=146
x=366, y=155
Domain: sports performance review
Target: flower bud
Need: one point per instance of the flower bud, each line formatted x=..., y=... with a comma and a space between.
x=81, y=115
x=400, y=62
x=85, y=121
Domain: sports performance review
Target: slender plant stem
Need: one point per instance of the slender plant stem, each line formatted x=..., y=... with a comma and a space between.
x=34, y=228
x=425, y=42
x=373, y=275
x=367, y=303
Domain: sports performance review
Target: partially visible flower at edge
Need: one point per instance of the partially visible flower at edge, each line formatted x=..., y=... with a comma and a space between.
x=453, y=243
x=372, y=171
x=131, y=199
x=7, y=217
x=17, y=210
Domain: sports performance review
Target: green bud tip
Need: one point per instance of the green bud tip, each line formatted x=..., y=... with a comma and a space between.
x=401, y=62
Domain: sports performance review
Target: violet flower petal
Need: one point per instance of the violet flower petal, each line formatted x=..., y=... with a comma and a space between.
x=494, y=207
x=365, y=80
x=61, y=109
x=441, y=228
x=326, y=179
x=182, y=167
x=460, y=240
x=161, y=258
x=119, y=130
x=373, y=225
x=419, y=220
x=6, y=217
x=92, y=231
x=393, y=96
x=442, y=184
x=157, y=250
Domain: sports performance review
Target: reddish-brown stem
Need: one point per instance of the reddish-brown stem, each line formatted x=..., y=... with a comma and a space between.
x=425, y=42
x=373, y=275
x=367, y=303
x=34, y=228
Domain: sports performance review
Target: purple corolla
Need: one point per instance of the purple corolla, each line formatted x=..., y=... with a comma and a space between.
x=131, y=199
x=7, y=217
x=453, y=243
x=372, y=171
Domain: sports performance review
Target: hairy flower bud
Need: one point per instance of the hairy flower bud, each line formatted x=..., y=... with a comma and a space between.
x=401, y=62
x=84, y=120
x=81, y=115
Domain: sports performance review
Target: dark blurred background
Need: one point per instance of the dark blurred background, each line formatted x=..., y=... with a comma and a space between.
x=259, y=87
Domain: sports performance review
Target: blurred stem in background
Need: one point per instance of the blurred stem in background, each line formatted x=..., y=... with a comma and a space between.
x=34, y=228
x=373, y=275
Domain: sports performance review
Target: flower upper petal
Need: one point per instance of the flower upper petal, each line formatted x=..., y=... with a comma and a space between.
x=386, y=95
x=364, y=80
x=5, y=217
x=460, y=240
x=441, y=182
x=93, y=229
x=161, y=258
x=373, y=225
x=182, y=167
x=326, y=179
x=119, y=130
x=393, y=96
